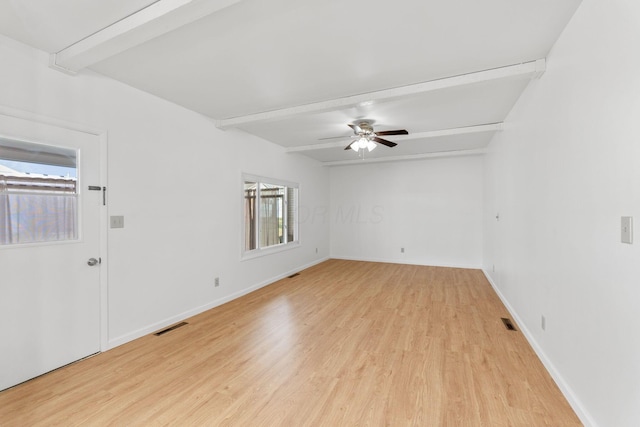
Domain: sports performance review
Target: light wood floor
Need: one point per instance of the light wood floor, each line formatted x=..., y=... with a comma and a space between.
x=343, y=344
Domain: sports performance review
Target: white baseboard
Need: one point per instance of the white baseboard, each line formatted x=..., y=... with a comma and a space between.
x=568, y=393
x=123, y=339
x=407, y=262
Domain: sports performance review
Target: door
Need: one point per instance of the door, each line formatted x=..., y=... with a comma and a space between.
x=49, y=294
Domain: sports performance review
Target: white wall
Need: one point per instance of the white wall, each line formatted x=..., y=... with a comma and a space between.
x=432, y=208
x=177, y=181
x=563, y=172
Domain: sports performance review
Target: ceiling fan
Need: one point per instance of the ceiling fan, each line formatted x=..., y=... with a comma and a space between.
x=366, y=137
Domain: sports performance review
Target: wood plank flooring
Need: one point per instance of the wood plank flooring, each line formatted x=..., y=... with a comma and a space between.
x=345, y=343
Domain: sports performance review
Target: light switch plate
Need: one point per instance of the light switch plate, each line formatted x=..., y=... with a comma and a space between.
x=626, y=229
x=116, y=221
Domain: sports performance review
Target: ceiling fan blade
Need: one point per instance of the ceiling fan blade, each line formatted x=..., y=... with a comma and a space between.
x=393, y=132
x=348, y=147
x=384, y=142
x=355, y=128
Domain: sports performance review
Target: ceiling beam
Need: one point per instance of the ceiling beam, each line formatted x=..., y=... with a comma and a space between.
x=531, y=69
x=490, y=127
x=456, y=153
x=150, y=22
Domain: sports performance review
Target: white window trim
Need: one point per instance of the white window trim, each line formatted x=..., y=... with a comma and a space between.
x=260, y=252
x=21, y=144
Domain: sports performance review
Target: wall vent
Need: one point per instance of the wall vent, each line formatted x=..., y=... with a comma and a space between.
x=294, y=275
x=170, y=328
x=508, y=324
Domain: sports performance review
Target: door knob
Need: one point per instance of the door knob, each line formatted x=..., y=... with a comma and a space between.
x=92, y=262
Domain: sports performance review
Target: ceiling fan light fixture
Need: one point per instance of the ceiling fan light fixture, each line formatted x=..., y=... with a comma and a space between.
x=367, y=139
x=371, y=145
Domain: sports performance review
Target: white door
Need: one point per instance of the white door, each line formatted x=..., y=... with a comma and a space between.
x=49, y=295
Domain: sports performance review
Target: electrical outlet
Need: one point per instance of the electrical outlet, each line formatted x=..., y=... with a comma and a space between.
x=216, y=282
x=626, y=225
x=316, y=250
x=401, y=250
x=116, y=221
x=543, y=323
x=493, y=268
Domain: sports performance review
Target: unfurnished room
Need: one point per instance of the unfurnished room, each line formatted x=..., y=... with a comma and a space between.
x=319, y=213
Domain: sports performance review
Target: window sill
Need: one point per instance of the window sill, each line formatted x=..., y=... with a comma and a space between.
x=257, y=253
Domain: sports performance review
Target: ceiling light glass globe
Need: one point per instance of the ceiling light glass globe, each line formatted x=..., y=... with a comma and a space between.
x=371, y=145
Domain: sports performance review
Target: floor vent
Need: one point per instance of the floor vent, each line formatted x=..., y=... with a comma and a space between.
x=508, y=324
x=170, y=328
x=294, y=275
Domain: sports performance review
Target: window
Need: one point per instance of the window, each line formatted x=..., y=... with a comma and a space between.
x=270, y=214
x=38, y=194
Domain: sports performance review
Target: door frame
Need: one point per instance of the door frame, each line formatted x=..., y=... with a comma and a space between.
x=103, y=141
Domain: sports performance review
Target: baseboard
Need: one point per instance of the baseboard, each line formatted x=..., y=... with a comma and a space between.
x=568, y=393
x=407, y=262
x=123, y=339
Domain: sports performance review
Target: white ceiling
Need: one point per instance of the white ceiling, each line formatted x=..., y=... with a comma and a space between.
x=297, y=71
x=53, y=25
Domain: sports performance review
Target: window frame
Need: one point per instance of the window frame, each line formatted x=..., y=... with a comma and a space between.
x=48, y=154
x=262, y=251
